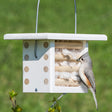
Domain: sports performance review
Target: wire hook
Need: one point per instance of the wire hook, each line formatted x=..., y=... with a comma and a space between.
x=75, y=16
x=36, y=30
x=35, y=47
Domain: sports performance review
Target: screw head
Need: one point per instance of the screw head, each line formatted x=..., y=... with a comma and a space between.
x=26, y=69
x=36, y=89
x=26, y=57
x=26, y=81
x=45, y=56
x=46, y=45
x=45, y=69
x=26, y=44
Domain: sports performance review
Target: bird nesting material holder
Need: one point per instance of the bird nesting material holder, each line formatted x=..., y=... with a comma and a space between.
x=55, y=69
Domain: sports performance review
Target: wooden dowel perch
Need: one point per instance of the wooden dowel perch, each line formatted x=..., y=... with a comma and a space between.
x=61, y=57
x=67, y=82
x=67, y=68
x=69, y=44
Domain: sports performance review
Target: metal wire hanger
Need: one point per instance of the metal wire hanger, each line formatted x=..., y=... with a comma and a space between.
x=36, y=30
x=35, y=47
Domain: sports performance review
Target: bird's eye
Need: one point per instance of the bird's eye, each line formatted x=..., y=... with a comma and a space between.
x=82, y=59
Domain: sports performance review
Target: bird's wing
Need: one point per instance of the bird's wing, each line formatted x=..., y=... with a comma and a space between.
x=90, y=76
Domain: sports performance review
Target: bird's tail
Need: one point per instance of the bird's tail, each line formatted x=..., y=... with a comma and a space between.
x=94, y=96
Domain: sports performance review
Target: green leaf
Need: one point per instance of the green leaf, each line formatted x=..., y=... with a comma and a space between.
x=56, y=107
x=59, y=109
x=51, y=110
x=18, y=108
x=12, y=94
x=13, y=109
x=54, y=99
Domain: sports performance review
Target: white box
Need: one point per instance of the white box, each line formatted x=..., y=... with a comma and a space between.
x=54, y=70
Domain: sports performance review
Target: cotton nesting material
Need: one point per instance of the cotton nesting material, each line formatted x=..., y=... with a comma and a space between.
x=66, y=67
x=67, y=75
x=69, y=54
x=74, y=54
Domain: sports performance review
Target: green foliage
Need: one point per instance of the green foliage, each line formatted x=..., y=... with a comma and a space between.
x=51, y=110
x=15, y=107
x=56, y=107
x=12, y=94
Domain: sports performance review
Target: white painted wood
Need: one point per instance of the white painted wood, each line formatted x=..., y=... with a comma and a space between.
x=55, y=36
x=80, y=89
x=36, y=74
x=33, y=69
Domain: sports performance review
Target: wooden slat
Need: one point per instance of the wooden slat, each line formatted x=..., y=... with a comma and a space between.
x=70, y=55
x=67, y=82
x=61, y=57
x=67, y=68
x=69, y=44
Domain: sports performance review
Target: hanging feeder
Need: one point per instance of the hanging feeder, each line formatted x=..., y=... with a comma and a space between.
x=49, y=60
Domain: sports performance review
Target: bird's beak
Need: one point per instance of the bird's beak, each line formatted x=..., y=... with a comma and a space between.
x=78, y=59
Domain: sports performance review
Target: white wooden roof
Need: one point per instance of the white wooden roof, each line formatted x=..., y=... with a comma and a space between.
x=55, y=36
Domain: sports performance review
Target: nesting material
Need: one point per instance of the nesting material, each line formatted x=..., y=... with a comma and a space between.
x=66, y=66
x=67, y=82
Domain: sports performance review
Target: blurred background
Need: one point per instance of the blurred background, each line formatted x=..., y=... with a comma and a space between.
x=56, y=16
